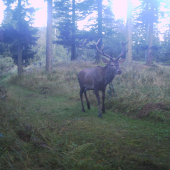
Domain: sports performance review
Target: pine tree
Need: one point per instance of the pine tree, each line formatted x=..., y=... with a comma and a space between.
x=18, y=32
x=65, y=17
x=129, y=33
x=49, y=37
x=149, y=11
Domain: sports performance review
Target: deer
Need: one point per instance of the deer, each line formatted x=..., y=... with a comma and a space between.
x=99, y=77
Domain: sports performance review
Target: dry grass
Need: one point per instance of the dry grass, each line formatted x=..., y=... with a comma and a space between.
x=135, y=87
x=62, y=81
x=139, y=85
x=43, y=126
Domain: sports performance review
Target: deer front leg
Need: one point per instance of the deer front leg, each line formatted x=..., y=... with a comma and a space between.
x=88, y=103
x=103, y=98
x=81, y=97
x=98, y=99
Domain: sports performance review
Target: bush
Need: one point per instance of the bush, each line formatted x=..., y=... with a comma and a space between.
x=6, y=64
x=136, y=86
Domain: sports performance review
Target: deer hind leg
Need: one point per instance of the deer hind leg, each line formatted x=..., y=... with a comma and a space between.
x=98, y=99
x=103, y=98
x=81, y=97
x=88, y=103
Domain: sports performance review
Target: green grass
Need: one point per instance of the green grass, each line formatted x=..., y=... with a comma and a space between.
x=74, y=139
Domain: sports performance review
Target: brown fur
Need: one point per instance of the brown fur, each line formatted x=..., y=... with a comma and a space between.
x=98, y=78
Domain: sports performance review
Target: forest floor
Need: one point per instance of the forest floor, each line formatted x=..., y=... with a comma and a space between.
x=40, y=130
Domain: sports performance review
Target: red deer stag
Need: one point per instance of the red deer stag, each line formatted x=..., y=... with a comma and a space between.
x=97, y=78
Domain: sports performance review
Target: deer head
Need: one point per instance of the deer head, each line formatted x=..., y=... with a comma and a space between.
x=113, y=64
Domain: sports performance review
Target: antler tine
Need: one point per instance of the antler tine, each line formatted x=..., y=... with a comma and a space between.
x=124, y=43
x=123, y=52
x=101, y=52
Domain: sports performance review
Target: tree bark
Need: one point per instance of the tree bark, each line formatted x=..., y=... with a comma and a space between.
x=129, y=33
x=150, y=44
x=150, y=40
x=99, y=5
x=49, y=37
x=147, y=38
x=20, y=68
x=73, y=45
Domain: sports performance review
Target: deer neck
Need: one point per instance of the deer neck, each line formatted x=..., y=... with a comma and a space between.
x=109, y=74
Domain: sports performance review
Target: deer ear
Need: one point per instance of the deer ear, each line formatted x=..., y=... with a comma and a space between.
x=105, y=60
x=122, y=60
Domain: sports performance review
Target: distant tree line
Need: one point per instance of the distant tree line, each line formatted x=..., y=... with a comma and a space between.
x=18, y=37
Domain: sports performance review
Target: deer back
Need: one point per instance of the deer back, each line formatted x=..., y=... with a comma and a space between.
x=99, y=76
x=93, y=77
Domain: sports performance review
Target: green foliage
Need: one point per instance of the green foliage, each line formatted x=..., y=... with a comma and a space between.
x=82, y=38
x=150, y=11
x=12, y=34
x=141, y=85
x=64, y=137
x=5, y=64
x=59, y=52
x=162, y=116
x=138, y=83
x=164, y=48
x=63, y=18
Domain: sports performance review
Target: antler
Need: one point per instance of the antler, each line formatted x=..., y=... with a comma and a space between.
x=101, y=52
x=123, y=50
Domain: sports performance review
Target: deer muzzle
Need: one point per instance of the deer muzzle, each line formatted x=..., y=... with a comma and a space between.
x=119, y=72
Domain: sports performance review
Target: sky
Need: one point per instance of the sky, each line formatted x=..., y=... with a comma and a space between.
x=119, y=9
x=2, y=7
x=40, y=16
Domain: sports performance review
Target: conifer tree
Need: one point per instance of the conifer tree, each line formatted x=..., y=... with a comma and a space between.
x=49, y=37
x=18, y=32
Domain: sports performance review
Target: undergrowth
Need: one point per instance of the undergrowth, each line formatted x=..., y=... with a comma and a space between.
x=42, y=126
x=139, y=85
x=135, y=87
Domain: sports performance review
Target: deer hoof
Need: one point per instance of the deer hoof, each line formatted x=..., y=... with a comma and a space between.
x=100, y=116
x=83, y=110
x=88, y=106
x=103, y=111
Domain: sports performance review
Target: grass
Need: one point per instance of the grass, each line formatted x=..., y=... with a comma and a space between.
x=47, y=108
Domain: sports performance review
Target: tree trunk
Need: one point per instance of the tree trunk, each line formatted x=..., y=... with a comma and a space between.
x=73, y=45
x=150, y=56
x=147, y=38
x=49, y=37
x=129, y=33
x=99, y=5
x=150, y=40
x=20, y=69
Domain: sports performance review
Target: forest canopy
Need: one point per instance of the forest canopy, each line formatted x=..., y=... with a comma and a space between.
x=145, y=29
